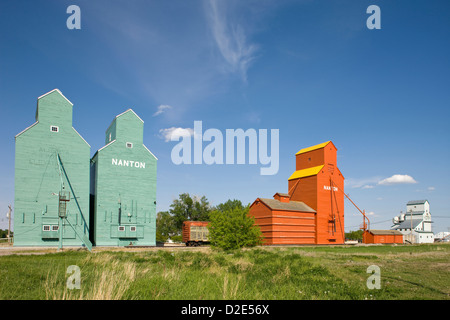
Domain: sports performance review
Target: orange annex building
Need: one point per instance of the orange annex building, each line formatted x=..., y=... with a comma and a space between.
x=383, y=236
x=312, y=212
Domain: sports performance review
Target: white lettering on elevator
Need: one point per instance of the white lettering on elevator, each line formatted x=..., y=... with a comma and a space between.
x=128, y=163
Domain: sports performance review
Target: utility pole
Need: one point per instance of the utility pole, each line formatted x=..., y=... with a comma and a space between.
x=410, y=211
x=9, y=224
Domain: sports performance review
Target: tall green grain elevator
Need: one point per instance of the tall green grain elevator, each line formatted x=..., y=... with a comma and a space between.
x=51, y=178
x=123, y=186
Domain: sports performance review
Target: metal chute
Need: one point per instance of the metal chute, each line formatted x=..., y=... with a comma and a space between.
x=64, y=198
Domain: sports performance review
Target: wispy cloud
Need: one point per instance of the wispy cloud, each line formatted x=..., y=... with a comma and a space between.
x=398, y=179
x=159, y=55
x=230, y=38
x=365, y=183
x=161, y=109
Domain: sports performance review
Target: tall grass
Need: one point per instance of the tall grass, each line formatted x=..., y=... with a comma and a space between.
x=109, y=280
x=407, y=272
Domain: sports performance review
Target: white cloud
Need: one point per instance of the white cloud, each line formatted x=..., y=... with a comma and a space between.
x=431, y=188
x=230, y=38
x=175, y=133
x=161, y=109
x=367, y=186
x=398, y=179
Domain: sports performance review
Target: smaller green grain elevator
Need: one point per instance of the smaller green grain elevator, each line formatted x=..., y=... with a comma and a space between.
x=123, y=186
x=51, y=199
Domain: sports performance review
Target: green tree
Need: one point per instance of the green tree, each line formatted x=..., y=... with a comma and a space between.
x=230, y=205
x=165, y=226
x=233, y=228
x=354, y=235
x=189, y=208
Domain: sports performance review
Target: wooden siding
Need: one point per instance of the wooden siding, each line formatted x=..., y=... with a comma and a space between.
x=38, y=178
x=284, y=227
x=382, y=238
x=124, y=192
x=322, y=191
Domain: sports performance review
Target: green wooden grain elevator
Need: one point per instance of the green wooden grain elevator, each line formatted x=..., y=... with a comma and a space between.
x=51, y=200
x=123, y=186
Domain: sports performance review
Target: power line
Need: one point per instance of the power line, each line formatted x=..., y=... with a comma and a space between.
x=377, y=222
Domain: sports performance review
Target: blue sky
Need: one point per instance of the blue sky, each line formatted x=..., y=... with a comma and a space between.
x=311, y=69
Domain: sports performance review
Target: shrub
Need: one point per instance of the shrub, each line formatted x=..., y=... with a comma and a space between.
x=233, y=228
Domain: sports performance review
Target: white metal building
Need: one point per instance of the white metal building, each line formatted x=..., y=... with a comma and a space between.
x=442, y=236
x=415, y=223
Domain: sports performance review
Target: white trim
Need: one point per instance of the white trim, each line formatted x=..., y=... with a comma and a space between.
x=131, y=111
x=121, y=228
x=122, y=114
x=51, y=128
x=106, y=145
x=81, y=137
x=131, y=228
x=26, y=129
x=130, y=145
x=58, y=92
x=46, y=225
x=55, y=229
x=150, y=152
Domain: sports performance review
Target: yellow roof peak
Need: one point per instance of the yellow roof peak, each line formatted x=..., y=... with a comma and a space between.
x=306, y=172
x=318, y=146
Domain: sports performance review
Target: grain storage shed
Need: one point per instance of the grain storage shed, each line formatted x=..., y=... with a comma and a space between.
x=316, y=189
x=382, y=236
x=283, y=221
x=51, y=159
x=123, y=186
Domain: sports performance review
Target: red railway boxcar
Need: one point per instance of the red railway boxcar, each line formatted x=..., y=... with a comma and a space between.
x=195, y=233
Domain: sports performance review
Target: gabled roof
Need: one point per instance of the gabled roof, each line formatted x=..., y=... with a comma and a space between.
x=416, y=202
x=318, y=146
x=385, y=232
x=286, y=206
x=81, y=137
x=306, y=172
x=282, y=194
x=121, y=115
x=407, y=224
x=46, y=94
x=57, y=90
x=150, y=152
x=26, y=129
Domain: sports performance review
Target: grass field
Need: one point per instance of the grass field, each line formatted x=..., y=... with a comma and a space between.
x=267, y=273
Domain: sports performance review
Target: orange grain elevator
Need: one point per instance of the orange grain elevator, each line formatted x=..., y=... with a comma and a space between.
x=316, y=198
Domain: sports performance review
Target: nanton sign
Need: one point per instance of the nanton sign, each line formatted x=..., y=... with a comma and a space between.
x=128, y=163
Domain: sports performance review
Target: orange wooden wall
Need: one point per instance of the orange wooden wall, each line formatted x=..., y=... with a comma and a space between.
x=321, y=190
x=284, y=227
x=388, y=238
x=315, y=191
